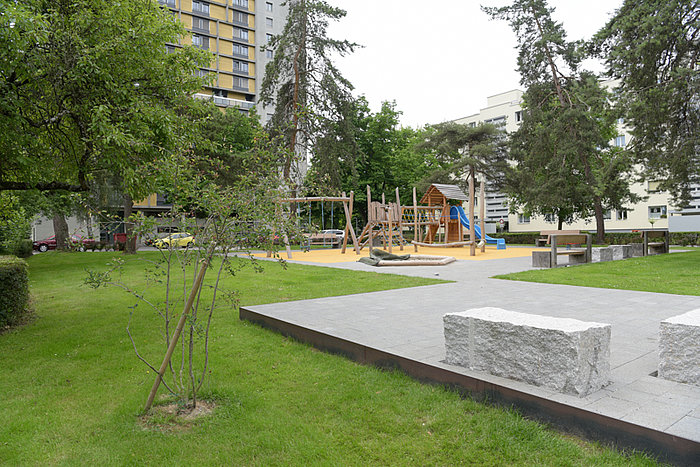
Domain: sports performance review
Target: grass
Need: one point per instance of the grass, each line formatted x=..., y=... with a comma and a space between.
x=677, y=273
x=72, y=389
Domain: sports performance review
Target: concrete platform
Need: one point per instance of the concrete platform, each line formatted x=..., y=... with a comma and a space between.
x=403, y=329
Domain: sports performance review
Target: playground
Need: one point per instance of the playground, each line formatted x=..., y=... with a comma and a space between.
x=439, y=226
x=335, y=255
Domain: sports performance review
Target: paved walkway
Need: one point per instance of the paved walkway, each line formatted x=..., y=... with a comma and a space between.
x=408, y=323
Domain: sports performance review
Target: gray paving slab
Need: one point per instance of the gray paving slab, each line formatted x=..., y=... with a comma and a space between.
x=408, y=323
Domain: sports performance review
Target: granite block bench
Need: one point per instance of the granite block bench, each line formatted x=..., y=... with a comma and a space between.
x=679, y=348
x=566, y=355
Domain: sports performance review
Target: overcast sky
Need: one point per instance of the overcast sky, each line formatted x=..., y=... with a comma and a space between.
x=440, y=59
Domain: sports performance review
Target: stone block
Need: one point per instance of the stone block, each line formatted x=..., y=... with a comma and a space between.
x=541, y=259
x=602, y=254
x=679, y=348
x=566, y=355
x=620, y=252
x=636, y=249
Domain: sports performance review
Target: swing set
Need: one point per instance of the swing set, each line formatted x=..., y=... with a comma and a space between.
x=325, y=238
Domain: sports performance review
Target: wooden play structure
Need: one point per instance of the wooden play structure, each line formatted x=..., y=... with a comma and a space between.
x=347, y=202
x=438, y=222
x=384, y=221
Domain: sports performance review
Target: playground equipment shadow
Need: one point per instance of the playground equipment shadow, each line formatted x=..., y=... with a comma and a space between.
x=403, y=329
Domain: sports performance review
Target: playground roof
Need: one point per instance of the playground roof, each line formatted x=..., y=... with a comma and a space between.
x=438, y=192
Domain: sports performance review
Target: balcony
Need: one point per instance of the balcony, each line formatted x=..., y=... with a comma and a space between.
x=226, y=102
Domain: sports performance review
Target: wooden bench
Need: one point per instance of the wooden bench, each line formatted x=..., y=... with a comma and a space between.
x=654, y=246
x=578, y=254
x=544, y=239
x=323, y=239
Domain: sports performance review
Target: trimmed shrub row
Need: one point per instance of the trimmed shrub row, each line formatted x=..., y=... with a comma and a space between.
x=14, y=290
x=611, y=238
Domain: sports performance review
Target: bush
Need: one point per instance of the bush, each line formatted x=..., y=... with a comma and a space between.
x=14, y=290
x=24, y=248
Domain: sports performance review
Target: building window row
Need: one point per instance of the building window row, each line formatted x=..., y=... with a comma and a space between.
x=200, y=41
x=200, y=7
x=240, y=18
x=240, y=50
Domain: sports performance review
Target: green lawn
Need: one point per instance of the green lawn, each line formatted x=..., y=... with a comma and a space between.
x=72, y=390
x=677, y=273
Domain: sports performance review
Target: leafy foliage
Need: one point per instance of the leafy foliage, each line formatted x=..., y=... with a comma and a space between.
x=652, y=48
x=87, y=86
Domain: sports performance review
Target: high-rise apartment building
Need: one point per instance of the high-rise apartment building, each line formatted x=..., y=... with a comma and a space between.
x=235, y=32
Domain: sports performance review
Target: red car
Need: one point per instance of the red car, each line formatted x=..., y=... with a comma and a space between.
x=50, y=243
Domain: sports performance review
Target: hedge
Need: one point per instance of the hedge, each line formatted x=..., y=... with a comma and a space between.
x=14, y=290
x=611, y=238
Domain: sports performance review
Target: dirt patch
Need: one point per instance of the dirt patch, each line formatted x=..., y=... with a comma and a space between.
x=175, y=416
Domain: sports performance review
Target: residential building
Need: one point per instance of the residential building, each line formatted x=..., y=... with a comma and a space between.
x=235, y=32
x=505, y=108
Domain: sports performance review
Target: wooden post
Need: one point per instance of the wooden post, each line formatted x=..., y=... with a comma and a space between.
x=348, y=227
x=178, y=330
x=390, y=224
x=482, y=212
x=472, y=234
x=400, y=221
x=416, y=235
x=369, y=220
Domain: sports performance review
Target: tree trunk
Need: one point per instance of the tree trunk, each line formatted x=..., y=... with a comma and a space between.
x=599, y=220
x=560, y=222
x=60, y=230
x=130, y=245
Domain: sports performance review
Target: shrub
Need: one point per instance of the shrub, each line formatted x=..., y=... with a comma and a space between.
x=24, y=248
x=14, y=290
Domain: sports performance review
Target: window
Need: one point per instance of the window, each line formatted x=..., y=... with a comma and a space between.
x=551, y=218
x=168, y=2
x=240, y=18
x=219, y=93
x=268, y=6
x=200, y=24
x=240, y=34
x=201, y=73
x=620, y=141
x=200, y=7
x=240, y=3
x=241, y=67
x=200, y=41
x=472, y=125
x=523, y=219
x=496, y=120
x=656, y=212
x=240, y=50
x=653, y=187
x=607, y=215
x=519, y=116
x=170, y=49
x=621, y=215
x=269, y=53
x=240, y=83
x=269, y=37
x=268, y=22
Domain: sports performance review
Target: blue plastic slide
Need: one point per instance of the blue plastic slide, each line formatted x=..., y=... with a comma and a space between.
x=458, y=211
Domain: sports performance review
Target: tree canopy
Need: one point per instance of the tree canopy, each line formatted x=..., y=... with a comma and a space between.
x=87, y=86
x=652, y=47
x=302, y=80
x=563, y=162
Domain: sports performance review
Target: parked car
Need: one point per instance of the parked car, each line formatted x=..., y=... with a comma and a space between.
x=180, y=239
x=337, y=232
x=77, y=241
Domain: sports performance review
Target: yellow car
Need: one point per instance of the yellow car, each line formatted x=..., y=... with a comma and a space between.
x=175, y=240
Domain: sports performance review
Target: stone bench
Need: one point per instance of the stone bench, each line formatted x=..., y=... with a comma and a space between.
x=562, y=354
x=679, y=348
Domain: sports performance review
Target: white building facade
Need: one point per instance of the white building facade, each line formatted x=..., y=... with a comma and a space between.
x=655, y=211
